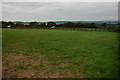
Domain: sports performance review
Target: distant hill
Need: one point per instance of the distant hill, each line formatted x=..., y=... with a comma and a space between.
x=97, y=22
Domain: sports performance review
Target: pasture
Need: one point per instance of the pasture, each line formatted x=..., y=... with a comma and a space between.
x=44, y=53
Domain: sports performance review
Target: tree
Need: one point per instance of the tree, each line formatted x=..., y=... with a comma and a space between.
x=78, y=25
x=19, y=24
x=42, y=25
x=33, y=24
x=93, y=25
x=69, y=25
x=4, y=24
x=51, y=24
x=104, y=25
x=11, y=24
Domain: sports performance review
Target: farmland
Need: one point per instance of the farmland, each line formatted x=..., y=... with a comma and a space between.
x=44, y=53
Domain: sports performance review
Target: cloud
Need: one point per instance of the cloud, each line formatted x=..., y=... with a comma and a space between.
x=44, y=11
x=0, y=11
x=60, y=0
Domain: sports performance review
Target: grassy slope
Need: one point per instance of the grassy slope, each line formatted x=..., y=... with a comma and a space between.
x=90, y=54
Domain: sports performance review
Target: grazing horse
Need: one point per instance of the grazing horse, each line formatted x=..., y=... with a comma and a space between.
x=9, y=26
x=52, y=27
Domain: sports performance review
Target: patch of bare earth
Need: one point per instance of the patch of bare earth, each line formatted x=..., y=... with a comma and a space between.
x=18, y=65
x=32, y=66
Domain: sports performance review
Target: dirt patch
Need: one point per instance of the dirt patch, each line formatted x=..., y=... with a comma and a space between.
x=32, y=66
x=18, y=65
x=15, y=57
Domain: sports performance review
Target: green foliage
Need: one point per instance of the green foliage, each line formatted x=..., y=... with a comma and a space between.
x=104, y=24
x=19, y=24
x=51, y=24
x=33, y=24
x=68, y=25
x=4, y=24
x=11, y=24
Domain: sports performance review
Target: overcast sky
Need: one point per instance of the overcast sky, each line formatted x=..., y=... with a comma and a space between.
x=58, y=11
x=60, y=0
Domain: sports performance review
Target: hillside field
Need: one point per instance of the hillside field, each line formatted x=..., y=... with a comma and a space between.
x=44, y=53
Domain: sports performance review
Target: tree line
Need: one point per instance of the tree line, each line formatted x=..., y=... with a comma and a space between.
x=67, y=25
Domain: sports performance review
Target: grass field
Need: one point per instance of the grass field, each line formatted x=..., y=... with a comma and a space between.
x=59, y=53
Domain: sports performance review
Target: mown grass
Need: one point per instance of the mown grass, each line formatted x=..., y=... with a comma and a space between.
x=87, y=54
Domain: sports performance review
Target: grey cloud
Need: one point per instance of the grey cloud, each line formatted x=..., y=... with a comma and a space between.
x=42, y=11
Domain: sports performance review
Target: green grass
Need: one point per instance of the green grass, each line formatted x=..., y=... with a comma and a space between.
x=90, y=54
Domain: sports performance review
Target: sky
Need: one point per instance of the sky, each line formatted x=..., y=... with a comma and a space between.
x=59, y=11
x=59, y=0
